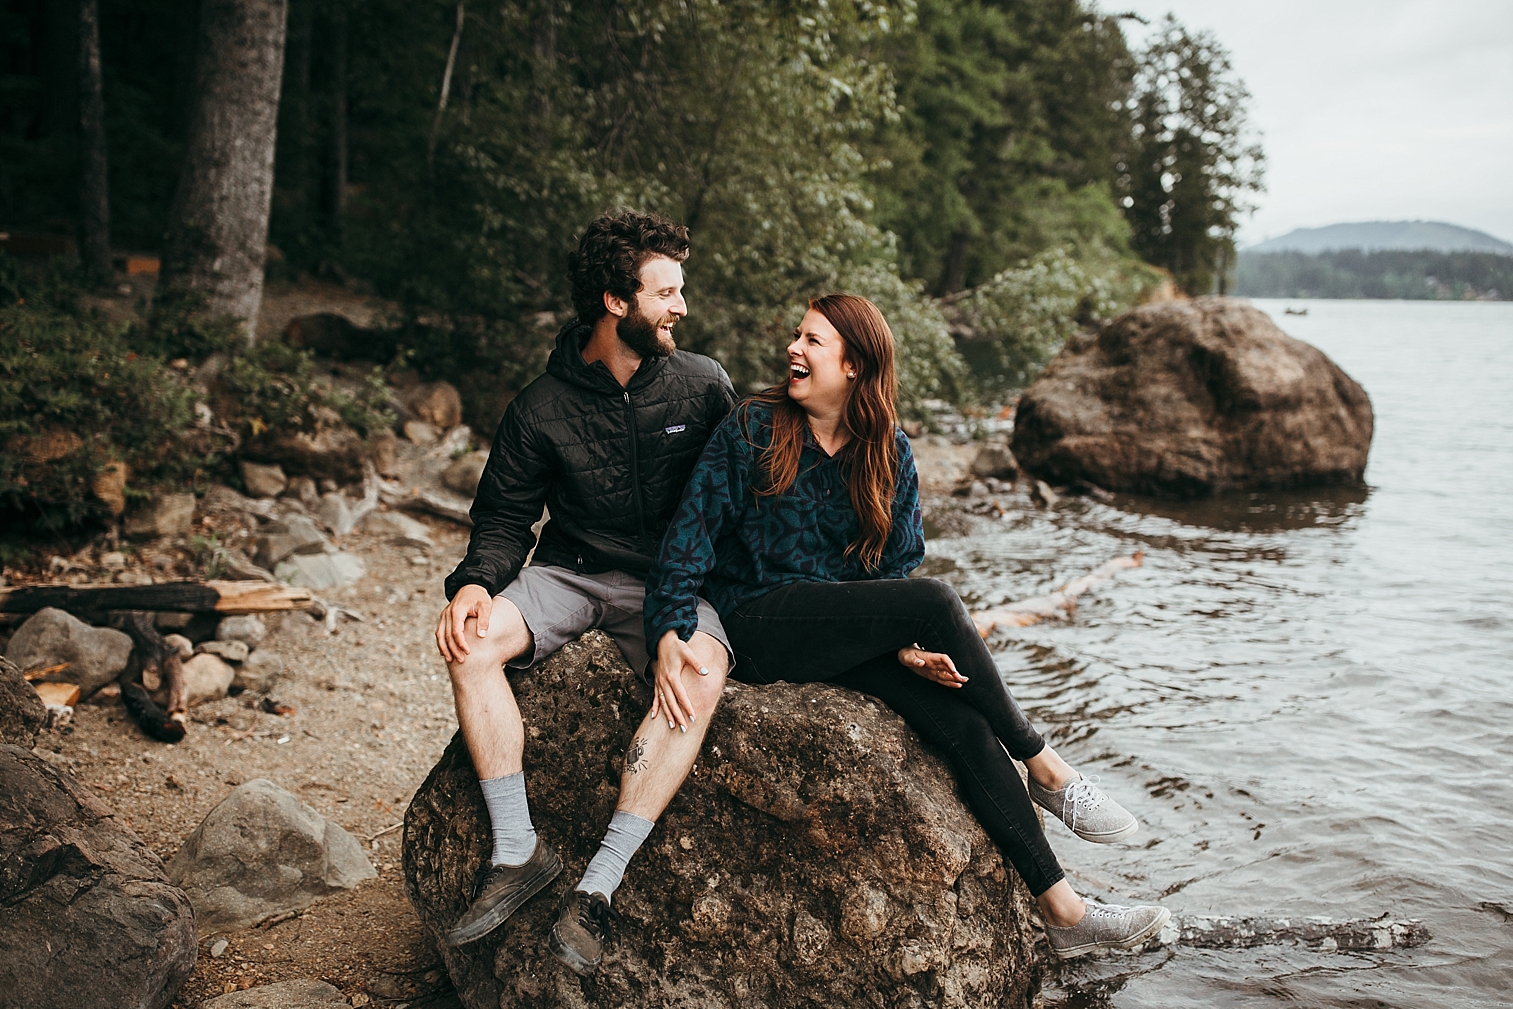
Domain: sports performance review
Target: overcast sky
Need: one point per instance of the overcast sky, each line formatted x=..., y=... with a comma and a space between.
x=1369, y=109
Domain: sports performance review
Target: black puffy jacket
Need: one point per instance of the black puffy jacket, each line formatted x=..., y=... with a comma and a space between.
x=609, y=462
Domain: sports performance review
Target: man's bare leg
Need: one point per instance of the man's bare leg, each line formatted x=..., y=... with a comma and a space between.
x=656, y=763
x=486, y=708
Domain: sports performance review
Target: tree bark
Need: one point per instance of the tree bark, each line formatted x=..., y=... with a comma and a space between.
x=218, y=227
x=446, y=87
x=336, y=179
x=94, y=178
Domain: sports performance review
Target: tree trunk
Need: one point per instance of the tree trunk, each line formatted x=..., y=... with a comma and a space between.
x=94, y=179
x=446, y=87
x=336, y=178
x=218, y=226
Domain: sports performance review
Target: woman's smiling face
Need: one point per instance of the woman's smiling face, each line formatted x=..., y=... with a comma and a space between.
x=819, y=376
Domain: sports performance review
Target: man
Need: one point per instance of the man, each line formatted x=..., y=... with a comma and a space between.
x=606, y=440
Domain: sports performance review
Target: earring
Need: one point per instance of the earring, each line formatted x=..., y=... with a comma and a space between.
x=850, y=374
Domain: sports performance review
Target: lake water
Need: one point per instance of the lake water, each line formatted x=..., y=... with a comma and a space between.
x=1306, y=697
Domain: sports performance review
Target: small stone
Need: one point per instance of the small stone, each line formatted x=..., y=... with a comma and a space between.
x=995, y=461
x=263, y=480
x=464, y=473
x=113, y=561
x=296, y=534
x=335, y=513
x=164, y=515
x=1043, y=496
x=436, y=403
x=218, y=948
x=259, y=672
x=231, y=651
x=180, y=644
x=247, y=627
x=321, y=571
x=400, y=530
x=304, y=490
x=95, y=655
x=262, y=851
x=421, y=433
x=420, y=561
x=206, y=678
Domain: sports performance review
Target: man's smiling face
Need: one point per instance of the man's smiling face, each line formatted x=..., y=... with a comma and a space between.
x=647, y=328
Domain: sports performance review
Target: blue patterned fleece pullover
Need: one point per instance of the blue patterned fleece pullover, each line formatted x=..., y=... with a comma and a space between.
x=736, y=546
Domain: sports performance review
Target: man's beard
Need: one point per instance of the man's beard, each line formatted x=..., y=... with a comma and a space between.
x=641, y=335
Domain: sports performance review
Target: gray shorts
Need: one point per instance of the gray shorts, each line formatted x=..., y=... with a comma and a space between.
x=559, y=604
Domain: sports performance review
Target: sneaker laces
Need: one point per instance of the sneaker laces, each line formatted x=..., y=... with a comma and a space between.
x=1082, y=796
x=596, y=916
x=1098, y=910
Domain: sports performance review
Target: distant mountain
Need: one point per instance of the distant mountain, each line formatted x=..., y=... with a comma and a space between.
x=1373, y=236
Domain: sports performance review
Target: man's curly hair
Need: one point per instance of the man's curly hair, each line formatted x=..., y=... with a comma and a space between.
x=611, y=253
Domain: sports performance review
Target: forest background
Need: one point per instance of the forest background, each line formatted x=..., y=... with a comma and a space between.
x=995, y=174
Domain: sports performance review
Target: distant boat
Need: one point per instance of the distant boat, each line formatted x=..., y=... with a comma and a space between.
x=1295, y=311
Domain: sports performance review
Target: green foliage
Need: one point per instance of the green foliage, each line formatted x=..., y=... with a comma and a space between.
x=272, y=386
x=1012, y=325
x=1190, y=162
x=73, y=398
x=1351, y=273
x=1010, y=112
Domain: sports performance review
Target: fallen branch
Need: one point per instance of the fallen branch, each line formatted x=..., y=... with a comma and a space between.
x=386, y=830
x=1056, y=606
x=177, y=597
x=1315, y=933
x=32, y=675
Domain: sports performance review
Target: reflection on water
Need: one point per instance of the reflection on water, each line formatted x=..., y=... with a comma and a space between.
x=1304, y=695
x=1261, y=511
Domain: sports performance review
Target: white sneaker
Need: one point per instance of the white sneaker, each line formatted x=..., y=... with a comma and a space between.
x=1087, y=810
x=1108, y=926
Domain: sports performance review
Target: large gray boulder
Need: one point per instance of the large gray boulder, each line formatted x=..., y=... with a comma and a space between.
x=262, y=851
x=95, y=655
x=817, y=856
x=164, y=515
x=87, y=916
x=1192, y=398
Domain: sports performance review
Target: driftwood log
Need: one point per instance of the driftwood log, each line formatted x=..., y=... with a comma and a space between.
x=1057, y=606
x=1315, y=933
x=156, y=659
x=176, y=597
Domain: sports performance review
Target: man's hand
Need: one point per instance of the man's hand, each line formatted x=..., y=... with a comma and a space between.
x=668, y=696
x=470, y=601
x=934, y=666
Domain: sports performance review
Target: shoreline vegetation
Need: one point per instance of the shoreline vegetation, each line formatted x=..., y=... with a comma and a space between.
x=1399, y=274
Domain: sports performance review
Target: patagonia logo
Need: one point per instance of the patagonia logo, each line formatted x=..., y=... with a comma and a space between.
x=676, y=429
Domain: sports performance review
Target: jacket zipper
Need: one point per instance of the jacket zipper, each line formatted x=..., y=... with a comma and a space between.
x=635, y=473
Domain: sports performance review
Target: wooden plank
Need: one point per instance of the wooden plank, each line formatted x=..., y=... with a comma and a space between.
x=258, y=597
x=58, y=693
x=179, y=597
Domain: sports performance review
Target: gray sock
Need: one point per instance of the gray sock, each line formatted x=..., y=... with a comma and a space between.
x=621, y=841
x=510, y=816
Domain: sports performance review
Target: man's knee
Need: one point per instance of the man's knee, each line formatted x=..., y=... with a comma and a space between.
x=508, y=638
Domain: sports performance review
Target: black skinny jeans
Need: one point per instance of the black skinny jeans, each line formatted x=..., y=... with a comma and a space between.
x=849, y=634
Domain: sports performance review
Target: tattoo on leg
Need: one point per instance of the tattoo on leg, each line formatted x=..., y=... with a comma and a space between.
x=635, y=756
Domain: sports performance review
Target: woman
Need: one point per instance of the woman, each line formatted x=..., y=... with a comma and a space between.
x=799, y=524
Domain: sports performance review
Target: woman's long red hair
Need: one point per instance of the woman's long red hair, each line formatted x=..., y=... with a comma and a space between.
x=869, y=418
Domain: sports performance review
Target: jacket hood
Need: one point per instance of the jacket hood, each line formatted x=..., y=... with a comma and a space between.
x=566, y=363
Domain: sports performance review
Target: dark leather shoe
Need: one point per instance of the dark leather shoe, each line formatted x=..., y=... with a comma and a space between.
x=582, y=929
x=500, y=890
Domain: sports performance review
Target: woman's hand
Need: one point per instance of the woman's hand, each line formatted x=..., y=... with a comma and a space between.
x=934, y=666
x=669, y=699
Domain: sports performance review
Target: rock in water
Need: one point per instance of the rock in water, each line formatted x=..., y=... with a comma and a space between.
x=1192, y=398
x=818, y=855
x=262, y=851
x=95, y=655
x=89, y=918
